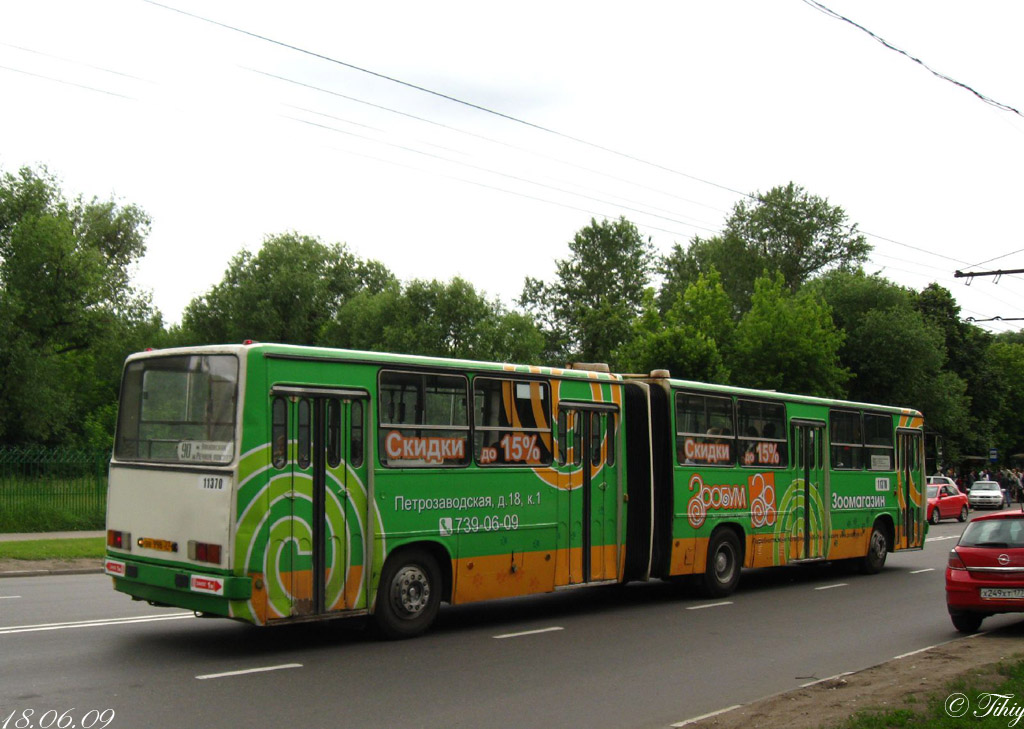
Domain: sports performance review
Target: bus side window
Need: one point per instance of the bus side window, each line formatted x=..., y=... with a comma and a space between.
x=334, y=432
x=279, y=433
x=304, y=430
x=563, y=437
x=609, y=458
x=356, y=428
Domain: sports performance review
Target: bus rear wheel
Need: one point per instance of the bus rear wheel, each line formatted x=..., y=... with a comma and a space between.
x=408, y=595
x=722, y=573
x=878, y=550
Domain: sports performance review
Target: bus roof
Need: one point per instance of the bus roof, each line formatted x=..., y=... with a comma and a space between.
x=385, y=358
x=789, y=397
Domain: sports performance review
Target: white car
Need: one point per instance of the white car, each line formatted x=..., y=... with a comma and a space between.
x=939, y=480
x=986, y=494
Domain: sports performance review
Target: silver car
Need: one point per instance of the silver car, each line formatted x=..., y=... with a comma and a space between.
x=985, y=494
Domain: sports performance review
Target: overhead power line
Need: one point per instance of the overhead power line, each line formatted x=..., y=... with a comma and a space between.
x=442, y=95
x=890, y=46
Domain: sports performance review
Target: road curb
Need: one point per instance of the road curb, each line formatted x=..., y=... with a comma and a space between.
x=44, y=572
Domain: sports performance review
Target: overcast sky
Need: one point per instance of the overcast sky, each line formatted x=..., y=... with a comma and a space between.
x=664, y=112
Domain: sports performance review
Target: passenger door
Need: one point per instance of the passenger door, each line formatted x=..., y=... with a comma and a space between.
x=911, y=495
x=812, y=506
x=587, y=435
x=315, y=529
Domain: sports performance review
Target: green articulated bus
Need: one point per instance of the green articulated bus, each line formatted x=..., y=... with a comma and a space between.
x=275, y=483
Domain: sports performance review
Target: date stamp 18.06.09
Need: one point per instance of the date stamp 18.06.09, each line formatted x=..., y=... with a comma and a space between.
x=56, y=718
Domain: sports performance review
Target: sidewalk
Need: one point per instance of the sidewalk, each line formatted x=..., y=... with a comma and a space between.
x=34, y=568
x=49, y=535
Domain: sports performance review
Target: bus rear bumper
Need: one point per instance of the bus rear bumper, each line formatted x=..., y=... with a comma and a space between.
x=177, y=586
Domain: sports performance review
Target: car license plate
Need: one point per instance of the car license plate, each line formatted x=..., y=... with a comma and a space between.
x=1002, y=593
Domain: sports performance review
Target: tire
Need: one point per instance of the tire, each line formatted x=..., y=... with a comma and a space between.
x=963, y=514
x=936, y=517
x=878, y=549
x=966, y=622
x=722, y=573
x=408, y=595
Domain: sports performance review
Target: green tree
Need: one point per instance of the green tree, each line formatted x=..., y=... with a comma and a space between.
x=286, y=292
x=66, y=305
x=1007, y=359
x=896, y=354
x=785, y=230
x=788, y=342
x=435, y=318
x=689, y=340
x=587, y=313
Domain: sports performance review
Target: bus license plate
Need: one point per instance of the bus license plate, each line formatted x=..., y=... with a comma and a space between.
x=1002, y=593
x=162, y=545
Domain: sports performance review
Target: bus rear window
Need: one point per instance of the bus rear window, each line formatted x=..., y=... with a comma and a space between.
x=178, y=410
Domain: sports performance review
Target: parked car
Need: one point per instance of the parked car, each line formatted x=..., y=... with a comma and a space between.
x=986, y=494
x=946, y=502
x=985, y=571
x=938, y=480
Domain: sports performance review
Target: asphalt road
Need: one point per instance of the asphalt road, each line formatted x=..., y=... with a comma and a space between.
x=647, y=655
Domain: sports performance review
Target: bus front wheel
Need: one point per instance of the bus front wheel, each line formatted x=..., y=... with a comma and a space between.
x=722, y=573
x=408, y=595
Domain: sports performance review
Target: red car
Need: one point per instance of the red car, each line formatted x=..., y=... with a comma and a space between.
x=946, y=502
x=985, y=572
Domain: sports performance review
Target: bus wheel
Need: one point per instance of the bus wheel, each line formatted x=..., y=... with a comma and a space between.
x=878, y=549
x=722, y=573
x=408, y=596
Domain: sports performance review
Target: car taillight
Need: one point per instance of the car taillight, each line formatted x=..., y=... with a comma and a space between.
x=955, y=563
x=119, y=540
x=202, y=552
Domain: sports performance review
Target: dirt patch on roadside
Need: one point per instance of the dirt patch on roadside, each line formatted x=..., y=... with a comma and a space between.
x=887, y=686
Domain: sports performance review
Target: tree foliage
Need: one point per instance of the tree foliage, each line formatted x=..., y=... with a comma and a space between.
x=692, y=338
x=435, y=318
x=785, y=230
x=286, y=292
x=788, y=342
x=68, y=312
x=588, y=311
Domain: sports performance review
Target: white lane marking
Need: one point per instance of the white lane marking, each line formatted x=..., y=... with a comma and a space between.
x=695, y=719
x=249, y=670
x=919, y=650
x=829, y=587
x=927, y=569
x=527, y=632
x=9, y=597
x=103, y=622
x=939, y=539
x=711, y=604
x=823, y=680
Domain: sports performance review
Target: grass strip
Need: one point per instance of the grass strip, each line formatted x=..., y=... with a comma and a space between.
x=994, y=698
x=37, y=549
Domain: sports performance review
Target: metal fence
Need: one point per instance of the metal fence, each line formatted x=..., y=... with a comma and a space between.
x=65, y=480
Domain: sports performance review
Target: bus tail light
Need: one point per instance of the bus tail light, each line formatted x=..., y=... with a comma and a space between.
x=119, y=540
x=202, y=552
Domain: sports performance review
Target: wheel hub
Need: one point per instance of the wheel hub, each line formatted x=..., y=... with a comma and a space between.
x=410, y=590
